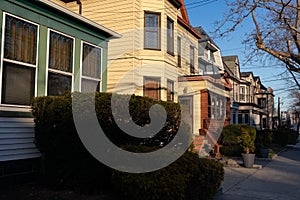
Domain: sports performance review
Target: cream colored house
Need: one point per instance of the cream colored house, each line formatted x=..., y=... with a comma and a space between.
x=158, y=45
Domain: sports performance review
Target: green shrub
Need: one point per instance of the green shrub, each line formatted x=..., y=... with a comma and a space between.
x=66, y=161
x=229, y=138
x=285, y=136
x=188, y=178
x=264, y=139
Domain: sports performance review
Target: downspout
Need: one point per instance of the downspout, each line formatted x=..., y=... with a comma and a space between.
x=80, y=6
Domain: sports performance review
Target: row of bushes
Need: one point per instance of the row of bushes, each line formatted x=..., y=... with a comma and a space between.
x=188, y=178
x=68, y=164
x=264, y=138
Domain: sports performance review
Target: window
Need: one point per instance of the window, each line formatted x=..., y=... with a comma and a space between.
x=247, y=118
x=19, y=61
x=170, y=36
x=242, y=93
x=152, y=31
x=264, y=123
x=152, y=87
x=192, y=60
x=170, y=90
x=240, y=118
x=91, y=68
x=247, y=94
x=262, y=102
x=209, y=100
x=60, y=64
x=179, y=51
x=233, y=118
x=211, y=56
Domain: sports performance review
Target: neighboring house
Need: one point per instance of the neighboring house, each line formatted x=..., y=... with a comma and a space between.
x=232, y=67
x=251, y=102
x=209, y=92
x=45, y=50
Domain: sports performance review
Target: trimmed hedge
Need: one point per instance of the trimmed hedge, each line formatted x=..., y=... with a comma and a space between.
x=285, y=136
x=229, y=141
x=66, y=161
x=188, y=178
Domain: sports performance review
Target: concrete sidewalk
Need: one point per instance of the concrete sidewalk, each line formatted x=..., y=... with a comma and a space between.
x=278, y=179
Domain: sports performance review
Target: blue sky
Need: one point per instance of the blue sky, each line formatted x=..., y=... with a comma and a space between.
x=201, y=14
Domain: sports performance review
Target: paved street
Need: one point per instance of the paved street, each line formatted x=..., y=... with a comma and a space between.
x=278, y=179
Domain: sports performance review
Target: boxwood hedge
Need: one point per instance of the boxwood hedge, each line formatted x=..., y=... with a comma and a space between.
x=68, y=164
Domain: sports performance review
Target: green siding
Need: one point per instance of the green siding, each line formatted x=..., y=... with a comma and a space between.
x=42, y=61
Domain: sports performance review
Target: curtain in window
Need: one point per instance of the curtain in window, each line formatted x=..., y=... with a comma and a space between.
x=170, y=91
x=20, y=40
x=152, y=88
x=61, y=52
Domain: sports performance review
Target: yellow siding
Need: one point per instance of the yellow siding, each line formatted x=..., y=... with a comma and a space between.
x=127, y=55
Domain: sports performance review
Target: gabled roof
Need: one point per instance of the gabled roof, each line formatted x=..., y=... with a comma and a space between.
x=176, y=3
x=205, y=36
x=229, y=58
x=184, y=14
x=185, y=22
x=246, y=74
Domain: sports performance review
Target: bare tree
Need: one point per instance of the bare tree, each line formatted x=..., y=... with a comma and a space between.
x=275, y=29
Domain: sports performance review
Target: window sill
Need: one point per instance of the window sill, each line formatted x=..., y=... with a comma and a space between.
x=11, y=111
x=153, y=49
x=171, y=53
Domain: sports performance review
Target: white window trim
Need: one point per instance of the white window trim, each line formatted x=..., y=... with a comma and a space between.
x=58, y=71
x=81, y=66
x=2, y=59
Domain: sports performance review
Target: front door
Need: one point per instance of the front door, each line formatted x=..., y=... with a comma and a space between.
x=186, y=103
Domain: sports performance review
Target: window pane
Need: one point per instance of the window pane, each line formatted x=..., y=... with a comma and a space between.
x=58, y=84
x=151, y=40
x=152, y=88
x=90, y=85
x=152, y=21
x=179, y=51
x=192, y=63
x=170, y=36
x=20, y=40
x=170, y=90
x=91, y=61
x=17, y=84
x=61, y=52
x=152, y=30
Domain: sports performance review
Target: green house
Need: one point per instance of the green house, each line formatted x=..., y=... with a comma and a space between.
x=46, y=50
